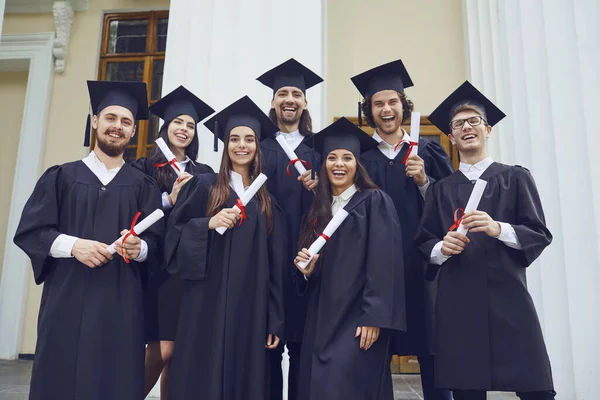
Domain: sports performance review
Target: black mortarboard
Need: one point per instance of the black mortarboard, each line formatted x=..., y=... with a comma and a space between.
x=290, y=73
x=390, y=76
x=342, y=134
x=243, y=112
x=181, y=102
x=130, y=95
x=465, y=94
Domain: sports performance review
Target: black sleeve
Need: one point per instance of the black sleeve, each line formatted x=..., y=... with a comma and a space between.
x=437, y=162
x=277, y=262
x=150, y=200
x=430, y=231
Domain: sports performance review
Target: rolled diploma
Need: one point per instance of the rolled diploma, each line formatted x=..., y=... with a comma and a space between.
x=247, y=196
x=415, y=122
x=167, y=153
x=473, y=202
x=290, y=153
x=140, y=227
x=329, y=230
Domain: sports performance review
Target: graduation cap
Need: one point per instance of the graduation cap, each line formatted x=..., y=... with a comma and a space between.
x=130, y=95
x=290, y=73
x=390, y=76
x=243, y=112
x=181, y=102
x=342, y=134
x=465, y=94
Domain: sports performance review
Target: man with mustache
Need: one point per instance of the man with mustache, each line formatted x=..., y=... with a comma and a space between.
x=289, y=82
x=405, y=177
x=90, y=341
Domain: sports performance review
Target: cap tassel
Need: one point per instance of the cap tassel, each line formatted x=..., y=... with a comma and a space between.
x=216, y=136
x=359, y=115
x=88, y=126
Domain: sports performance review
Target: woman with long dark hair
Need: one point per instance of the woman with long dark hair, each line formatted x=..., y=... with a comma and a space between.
x=182, y=111
x=355, y=286
x=232, y=307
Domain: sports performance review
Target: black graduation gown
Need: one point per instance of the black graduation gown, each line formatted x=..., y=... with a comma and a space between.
x=90, y=342
x=390, y=176
x=295, y=201
x=162, y=295
x=358, y=281
x=233, y=298
x=488, y=336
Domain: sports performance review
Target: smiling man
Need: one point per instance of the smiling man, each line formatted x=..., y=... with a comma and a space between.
x=405, y=178
x=488, y=337
x=90, y=342
x=289, y=82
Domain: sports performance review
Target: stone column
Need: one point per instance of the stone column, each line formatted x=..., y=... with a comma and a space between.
x=539, y=61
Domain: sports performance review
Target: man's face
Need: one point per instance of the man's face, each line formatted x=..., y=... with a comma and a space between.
x=289, y=102
x=469, y=138
x=387, y=111
x=115, y=127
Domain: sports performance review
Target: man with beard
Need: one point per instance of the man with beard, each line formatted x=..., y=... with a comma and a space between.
x=289, y=82
x=90, y=341
x=405, y=177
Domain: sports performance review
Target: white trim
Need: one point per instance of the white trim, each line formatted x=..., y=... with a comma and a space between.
x=42, y=7
x=37, y=49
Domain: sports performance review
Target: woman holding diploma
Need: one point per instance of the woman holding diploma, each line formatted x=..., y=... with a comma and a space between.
x=232, y=307
x=181, y=111
x=355, y=285
x=488, y=337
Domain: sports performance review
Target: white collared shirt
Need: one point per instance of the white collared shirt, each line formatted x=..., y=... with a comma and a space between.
x=344, y=198
x=165, y=196
x=507, y=232
x=62, y=246
x=390, y=151
x=293, y=139
x=236, y=182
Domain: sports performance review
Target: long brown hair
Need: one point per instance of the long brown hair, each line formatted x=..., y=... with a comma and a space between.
x=219, y=192
x=320, y=209
x=305, y=124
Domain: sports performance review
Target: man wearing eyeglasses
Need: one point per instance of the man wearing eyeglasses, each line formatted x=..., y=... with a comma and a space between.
x=488, y=337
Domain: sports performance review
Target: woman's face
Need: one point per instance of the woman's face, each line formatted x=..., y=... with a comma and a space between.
x=181, y=131
x=341, y=169
x=241, y=146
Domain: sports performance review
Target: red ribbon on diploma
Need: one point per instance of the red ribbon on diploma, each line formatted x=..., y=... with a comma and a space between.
x=457, y=220
x=292, y=162
x=324, y=236
x=173, y=162
x=242, y=208
x=411, y=144
x=130, y=233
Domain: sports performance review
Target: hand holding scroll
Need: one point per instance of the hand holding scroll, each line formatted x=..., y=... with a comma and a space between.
x=304, y=256
x=480, y=221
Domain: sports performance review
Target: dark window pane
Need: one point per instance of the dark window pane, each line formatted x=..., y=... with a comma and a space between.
x=130, y=154
x=161, y=34
x=153, y=129
x=125, y=71
x=128, y=36
x=157, y=78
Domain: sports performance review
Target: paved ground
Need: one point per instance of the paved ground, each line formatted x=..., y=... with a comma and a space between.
x=14, y=383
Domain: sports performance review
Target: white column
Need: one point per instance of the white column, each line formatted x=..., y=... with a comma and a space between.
x=1, y=14
x=539, y=61
x=217, y=48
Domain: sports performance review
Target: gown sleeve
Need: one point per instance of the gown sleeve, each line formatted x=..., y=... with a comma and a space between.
x=530, y=225
x=150, y=200
x=437, y=163
x=430, y=231
x=277, y=263
x=383, y=294
x=38, y=227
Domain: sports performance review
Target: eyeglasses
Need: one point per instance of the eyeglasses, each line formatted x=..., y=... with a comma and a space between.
x=473, y=121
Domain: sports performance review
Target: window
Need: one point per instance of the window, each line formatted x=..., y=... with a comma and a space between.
x=133, y=49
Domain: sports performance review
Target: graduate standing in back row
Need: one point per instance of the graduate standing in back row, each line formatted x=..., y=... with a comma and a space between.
x=289, y=82
x=405, y=177
x=90, y=341
x=488, y=337
x=181, y=111
x=232, y=308
x=355, y=287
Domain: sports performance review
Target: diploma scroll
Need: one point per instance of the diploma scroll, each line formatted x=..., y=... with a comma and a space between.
x=247, y=196
x=329, y=230
x=168, y=155
x=415, y=123
x=473, y=202
x=140, y=227
x=291, y=154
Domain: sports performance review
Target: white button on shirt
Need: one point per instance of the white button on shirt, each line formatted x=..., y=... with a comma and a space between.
x=293, y=138
x=63, y=244
x=507, y=232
